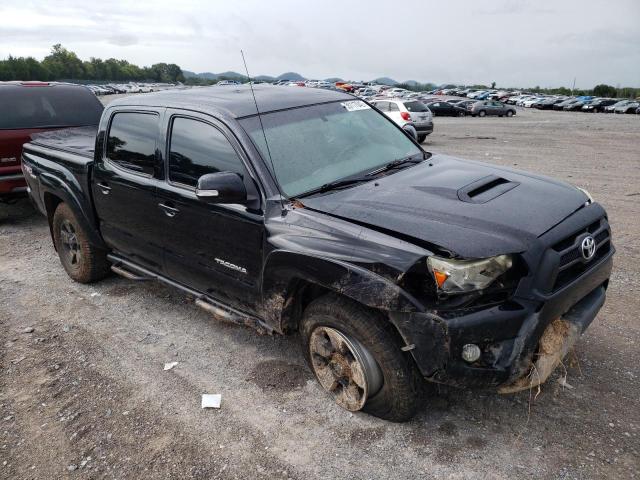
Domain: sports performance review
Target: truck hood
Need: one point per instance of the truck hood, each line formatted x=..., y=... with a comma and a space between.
x=470, y=209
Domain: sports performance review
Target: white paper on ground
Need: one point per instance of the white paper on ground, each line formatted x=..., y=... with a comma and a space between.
x=211, y=400
x=170, y=365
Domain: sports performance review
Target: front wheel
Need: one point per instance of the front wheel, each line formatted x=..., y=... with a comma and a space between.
x=422, y=137
x=461, y=114
x=509, y=113
x=82, y=261
x=482, y=113
x=356, y=358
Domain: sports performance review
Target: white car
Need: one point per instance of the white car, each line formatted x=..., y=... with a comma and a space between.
x=407, y=113
x=530, y=101
x=476, y=93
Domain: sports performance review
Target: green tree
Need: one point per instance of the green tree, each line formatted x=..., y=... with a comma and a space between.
x=603, y=90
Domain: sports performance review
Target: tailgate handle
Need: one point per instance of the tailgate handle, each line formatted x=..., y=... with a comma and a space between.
x=168, y=209
x=104, y=188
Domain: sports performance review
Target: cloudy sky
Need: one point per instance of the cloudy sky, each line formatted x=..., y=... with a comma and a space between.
x=512, y=42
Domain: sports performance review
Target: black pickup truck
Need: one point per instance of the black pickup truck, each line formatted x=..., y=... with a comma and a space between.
x=321, y=216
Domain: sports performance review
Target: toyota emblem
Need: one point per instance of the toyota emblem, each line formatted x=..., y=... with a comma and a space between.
x=588, y=248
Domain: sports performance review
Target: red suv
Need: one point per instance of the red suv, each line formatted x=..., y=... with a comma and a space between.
x=32, y=107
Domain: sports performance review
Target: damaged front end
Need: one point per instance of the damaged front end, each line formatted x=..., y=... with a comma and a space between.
x=508, y=338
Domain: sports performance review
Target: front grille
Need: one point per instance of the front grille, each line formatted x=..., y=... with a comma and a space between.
x=572, y=264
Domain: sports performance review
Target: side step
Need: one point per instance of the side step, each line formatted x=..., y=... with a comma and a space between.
x=131, y=271
x=123, y=272
x=229, y=314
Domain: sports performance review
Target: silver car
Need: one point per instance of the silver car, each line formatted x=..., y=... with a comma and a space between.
x=492, y=107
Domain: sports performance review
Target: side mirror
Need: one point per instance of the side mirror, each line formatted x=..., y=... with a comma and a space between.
x=221, y=187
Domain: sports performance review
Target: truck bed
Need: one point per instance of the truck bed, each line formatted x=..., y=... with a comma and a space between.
x=77, y=140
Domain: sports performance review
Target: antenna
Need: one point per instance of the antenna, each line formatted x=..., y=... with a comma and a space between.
x=273, y=168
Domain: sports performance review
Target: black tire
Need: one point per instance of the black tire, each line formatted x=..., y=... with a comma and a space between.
x=462, y=114
x=82, y=261
x=509, y=113
x=482, y=113
x=422, y=137
x=396, y=399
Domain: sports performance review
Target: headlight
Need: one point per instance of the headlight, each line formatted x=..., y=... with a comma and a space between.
x=590, y=198
x=458, y=276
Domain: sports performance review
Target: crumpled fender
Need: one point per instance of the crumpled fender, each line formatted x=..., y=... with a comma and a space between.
x=285, y=269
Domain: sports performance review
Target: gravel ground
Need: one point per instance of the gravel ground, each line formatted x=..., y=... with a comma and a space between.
x=84, y=394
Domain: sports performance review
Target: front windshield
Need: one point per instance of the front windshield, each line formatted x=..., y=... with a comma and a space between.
x=315, y=145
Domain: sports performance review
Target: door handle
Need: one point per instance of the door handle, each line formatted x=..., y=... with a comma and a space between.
x=104, y=188
x=168, y=209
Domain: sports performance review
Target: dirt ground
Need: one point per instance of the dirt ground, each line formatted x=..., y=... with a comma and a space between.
x=84, y=395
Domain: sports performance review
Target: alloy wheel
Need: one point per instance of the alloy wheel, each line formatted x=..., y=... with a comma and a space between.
x=344, y=367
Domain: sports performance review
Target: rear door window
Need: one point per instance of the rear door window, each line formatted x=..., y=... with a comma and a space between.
x=416, y=107
x=131, y=142
x=23, y=107
x=393, y=107
x=198, y=148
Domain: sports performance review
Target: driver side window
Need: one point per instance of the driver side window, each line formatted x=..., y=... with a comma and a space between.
x=198, y=148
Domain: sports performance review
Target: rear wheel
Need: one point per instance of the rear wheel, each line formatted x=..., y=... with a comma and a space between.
x=461, y=114
x=82, y=261
x=357, y=359
x=482, y=113
x=422, y=137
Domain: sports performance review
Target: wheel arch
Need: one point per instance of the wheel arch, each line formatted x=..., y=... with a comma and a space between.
x=291, y=280
x=56, y=192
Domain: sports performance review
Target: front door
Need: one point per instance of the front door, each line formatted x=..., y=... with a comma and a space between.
x=124, y=188
x=215, y=249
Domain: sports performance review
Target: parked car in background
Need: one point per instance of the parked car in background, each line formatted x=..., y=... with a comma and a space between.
x=445, y=109
x=33, y=107
x=561, y=105
x=492, y=107
x=548, y=103
x=530, y=102
x=408, y=112
x=576, y=106
x=627, y=107
x=619, y=103
x=598, y=105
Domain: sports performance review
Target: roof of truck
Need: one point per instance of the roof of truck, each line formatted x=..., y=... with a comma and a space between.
x=235, y=100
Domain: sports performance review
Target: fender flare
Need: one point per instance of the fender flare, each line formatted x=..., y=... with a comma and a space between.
x=52, y=185
x=285, y=270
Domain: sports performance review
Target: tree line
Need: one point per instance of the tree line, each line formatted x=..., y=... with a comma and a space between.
x=62, y=64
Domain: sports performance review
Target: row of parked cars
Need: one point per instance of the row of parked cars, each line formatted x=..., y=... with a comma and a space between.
x=577, y=104
x=114, y=88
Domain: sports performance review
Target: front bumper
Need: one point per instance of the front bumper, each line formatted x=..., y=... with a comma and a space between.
x=511, y=336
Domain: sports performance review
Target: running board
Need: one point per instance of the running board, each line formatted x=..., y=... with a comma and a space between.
x=219, y=310
x=229, y=314
x=123, y=272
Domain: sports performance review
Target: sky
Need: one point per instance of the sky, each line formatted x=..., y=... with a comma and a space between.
x=519, y=43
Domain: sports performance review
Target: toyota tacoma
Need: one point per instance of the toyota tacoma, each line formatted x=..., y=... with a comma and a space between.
x=308, y=210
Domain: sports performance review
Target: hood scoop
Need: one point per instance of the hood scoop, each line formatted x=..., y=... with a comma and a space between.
x=486, y=189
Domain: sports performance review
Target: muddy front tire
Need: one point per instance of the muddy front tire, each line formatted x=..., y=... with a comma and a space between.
x=358, y=360
x=82, y=261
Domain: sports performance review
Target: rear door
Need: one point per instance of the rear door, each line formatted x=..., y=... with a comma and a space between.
x=125, y=180
x=215, y=249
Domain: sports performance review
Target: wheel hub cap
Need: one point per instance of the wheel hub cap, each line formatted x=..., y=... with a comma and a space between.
x=70, y=242
x=344, y=367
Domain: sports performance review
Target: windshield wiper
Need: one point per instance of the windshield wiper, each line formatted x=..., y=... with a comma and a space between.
x=335, y=185
x=397, y=163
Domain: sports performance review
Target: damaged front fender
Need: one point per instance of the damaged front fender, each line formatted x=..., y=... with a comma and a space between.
x=284, y=269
